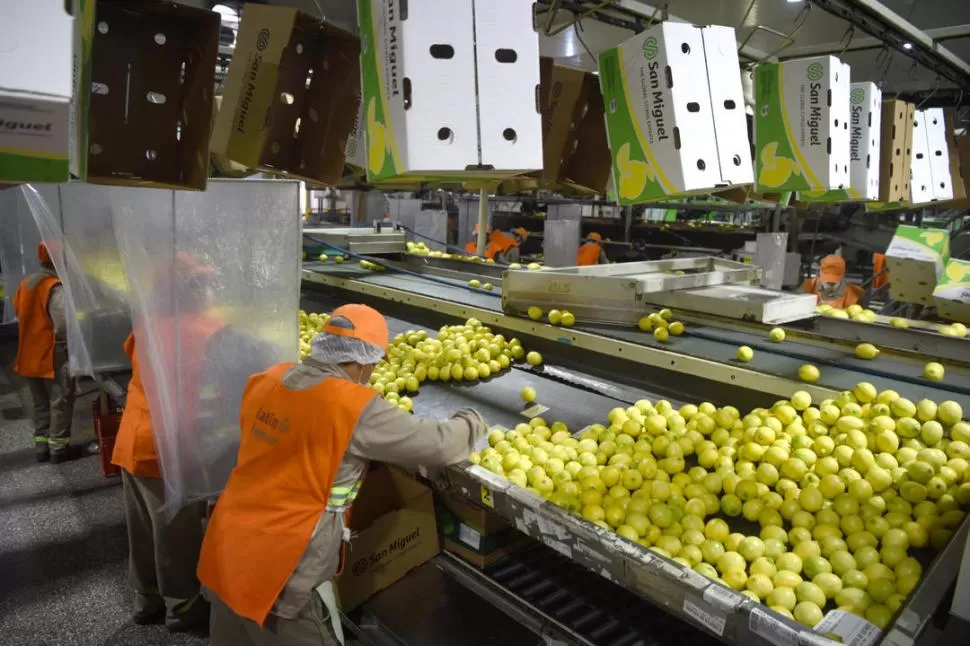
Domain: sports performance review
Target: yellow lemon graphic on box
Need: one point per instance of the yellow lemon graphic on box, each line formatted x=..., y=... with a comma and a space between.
x=633, y=174
x=819, y=192
x=956, y=271
x=378, y=142
x=932, y=238
x=775, y=170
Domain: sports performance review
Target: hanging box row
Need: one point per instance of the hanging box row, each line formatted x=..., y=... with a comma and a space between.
x=120, y=93
x=675, y=112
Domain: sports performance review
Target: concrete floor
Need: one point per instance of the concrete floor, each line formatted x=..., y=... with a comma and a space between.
x=63, y=544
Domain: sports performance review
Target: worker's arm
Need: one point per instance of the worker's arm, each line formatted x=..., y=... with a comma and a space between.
x=55, y=309
x=512, y=255
x=386, y=433
x=603, y=259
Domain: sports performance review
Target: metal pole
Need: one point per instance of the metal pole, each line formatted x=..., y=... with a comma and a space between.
x=482, y=220
x=627, y=222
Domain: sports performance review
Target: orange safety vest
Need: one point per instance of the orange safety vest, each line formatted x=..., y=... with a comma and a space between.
x=35, y=343
x=135, y=449
x=851, y=295
x=588, y=254
x=472, y=247
x=880, y=275
x=499, y=243
x=289, y=455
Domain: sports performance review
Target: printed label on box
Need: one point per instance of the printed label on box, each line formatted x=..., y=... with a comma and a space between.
x=469, y=536
x=850, y=628
x=954, y=282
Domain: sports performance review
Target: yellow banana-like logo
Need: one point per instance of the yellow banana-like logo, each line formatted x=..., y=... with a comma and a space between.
x=775, y=170
x=633, y=173
x=957, y=271
x=932, y=238
x=378, y=142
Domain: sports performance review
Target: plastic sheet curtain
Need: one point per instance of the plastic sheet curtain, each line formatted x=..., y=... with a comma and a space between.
x=214, y=282
x=19, y=236
x=78, y=218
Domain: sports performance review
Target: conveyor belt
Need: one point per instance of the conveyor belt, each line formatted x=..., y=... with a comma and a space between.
x=840, y=369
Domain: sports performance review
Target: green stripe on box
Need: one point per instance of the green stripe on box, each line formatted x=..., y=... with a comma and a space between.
x=23, y=168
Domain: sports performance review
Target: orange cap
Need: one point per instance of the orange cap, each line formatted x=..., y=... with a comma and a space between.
x=522, y=231
x=594, y=236
x=365, y=324
x=44, y=249
x=831, y=269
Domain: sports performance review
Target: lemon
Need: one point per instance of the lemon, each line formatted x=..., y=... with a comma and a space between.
x=745, y=354
x=808, y=373
x=645, y=324
x=661, y=334
x=535, y=312
x=933, y=371
x=777, y=335
x=534, y=358
x=568, y=319
x=555, y=317
x=528, y=394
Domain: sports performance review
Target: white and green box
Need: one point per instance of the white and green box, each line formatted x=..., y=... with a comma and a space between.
x=36, y=40
x=423, y=116
x=658, y=114
x=801, y=125
x=939, y=152
x=920, y=172
x=865, y=133
x=952, y=293
x=916, y=258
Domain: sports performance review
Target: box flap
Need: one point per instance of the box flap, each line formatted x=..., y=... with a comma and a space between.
x=385, y=489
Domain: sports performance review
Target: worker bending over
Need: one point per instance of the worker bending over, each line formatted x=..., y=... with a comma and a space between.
x=163, y=549
x=591, y=251
x=504, y=247
x=42, y=358
x=309, y=432
x=831, y=287
x=472, y=247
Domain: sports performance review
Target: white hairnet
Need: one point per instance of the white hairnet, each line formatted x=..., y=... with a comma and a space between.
x=333, y=349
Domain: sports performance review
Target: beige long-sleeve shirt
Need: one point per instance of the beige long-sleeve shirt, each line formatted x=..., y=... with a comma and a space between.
x=384, y=433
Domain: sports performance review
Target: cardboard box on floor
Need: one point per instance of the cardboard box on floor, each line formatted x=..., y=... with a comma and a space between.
x=35, y=90
x=150, y=112
x=291, y=95
x=896, y=150
x=424, y=121
x=575, y=151
x=916, y=258
x=802, y=125
x=394, y=530
x=478, y=536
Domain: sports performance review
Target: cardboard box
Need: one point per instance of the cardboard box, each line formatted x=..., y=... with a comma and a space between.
x=84, y=13
x=477, y=536
x=952, y=293
x=152, y=75
x=865, y=130
x=35, y=90
x=727, y=105
x=394, y=530
x=424, y=120
x=355, y=153
x=575, y=150
x=658, y=116
x=920, y=172
x=937, y=145
x=222, y=165
x=915, y=259
x=291, y=95
x=956, y=165
x=801, y=125
x=896, y=151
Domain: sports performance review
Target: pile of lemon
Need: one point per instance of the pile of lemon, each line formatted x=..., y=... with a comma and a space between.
x=310, y=326
x=661, y=325
x=842, y=495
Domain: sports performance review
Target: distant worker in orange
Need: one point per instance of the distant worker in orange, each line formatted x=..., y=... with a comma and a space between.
x=472, y=247
x=831, y=287
x=163, y=549
x=880, y=273
x=42, y=357
x=504, y=247
x=591, y=251
x=308, y=434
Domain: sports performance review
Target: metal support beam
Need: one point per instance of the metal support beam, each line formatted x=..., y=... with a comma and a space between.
x=863, y=44
x=482, y=221
x=875, y=19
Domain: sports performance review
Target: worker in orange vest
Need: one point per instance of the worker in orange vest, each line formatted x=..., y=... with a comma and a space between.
x=472, y=247
x=504, y=247
x=880, y=273
x=308, y=434
x=831, y=287
x=591, y=251
x=42, y=357
x=163, y=549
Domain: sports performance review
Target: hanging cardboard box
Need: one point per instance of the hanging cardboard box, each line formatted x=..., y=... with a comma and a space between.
x=801, y=125
x=955, y=165
x=865, y=129
x=291, y=95
x=224, y=166
x=895, y=150
x=658, y=114
x=952, y=293
x=575, y=150
x=916, y=258
x=152, y=74
x=727, y=105
x=424, y=121
x=937, y=146
x=35, y=90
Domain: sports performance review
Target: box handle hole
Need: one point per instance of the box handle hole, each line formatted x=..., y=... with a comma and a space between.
x=446, y=135
x=506, y=55
x=442, y=51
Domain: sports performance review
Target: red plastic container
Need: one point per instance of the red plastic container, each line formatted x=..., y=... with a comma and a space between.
x=107, y=419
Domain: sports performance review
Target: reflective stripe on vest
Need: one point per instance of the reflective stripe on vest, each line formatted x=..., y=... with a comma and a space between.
x=341, y=498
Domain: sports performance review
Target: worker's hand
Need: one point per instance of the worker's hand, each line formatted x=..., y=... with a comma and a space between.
x=475, y=420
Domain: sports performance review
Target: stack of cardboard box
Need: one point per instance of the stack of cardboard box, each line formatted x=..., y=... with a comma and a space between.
x=477, y=536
